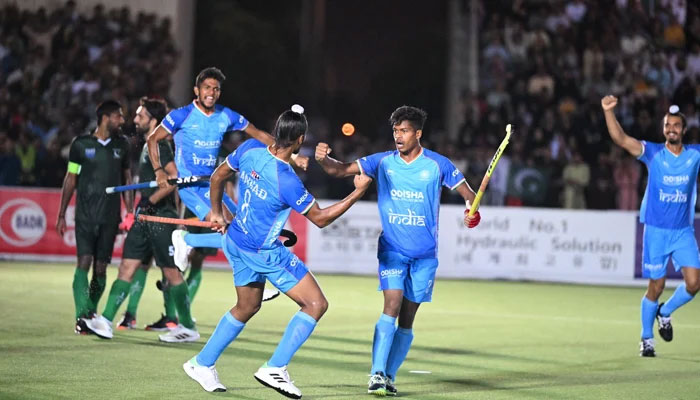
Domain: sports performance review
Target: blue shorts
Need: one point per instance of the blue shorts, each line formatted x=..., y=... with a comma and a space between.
x=279, y=266
x=659, y=244
x=196, y=198
x=415, y=276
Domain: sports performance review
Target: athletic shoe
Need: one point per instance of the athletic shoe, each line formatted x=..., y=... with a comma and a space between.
x=390, y=387
x=128, y=322
x=180, y=335
x=81, y=327
x=100, y=325
x=162, y=325
x=665, y=327
x=205, y=376
x=269, y=294
x=646, y=348
x=278, y=378
x=377, y=384
x=182, y=250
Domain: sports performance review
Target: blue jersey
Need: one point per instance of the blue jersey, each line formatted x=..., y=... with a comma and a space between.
x=198, y=136
x=268, y=189
x=409, y=199
x=669, y=199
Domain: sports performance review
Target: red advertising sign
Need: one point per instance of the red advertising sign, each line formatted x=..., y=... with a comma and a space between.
x=28, y=219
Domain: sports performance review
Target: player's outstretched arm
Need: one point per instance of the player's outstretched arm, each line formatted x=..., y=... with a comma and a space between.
x=157, y=135
x=69, y=183
x=323, y=217
x=216, y=192
x=332, y=166
x=618, y=135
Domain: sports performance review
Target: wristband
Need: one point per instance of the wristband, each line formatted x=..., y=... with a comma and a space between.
x=155, y=170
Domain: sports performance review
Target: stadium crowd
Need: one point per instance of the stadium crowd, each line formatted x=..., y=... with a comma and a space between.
x=56, y=66
x=544, y=66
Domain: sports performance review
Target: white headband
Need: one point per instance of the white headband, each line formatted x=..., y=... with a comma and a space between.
x=298, y=109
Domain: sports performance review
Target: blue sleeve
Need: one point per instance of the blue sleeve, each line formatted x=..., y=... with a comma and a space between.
x=237, y=122
x=370, y=164
x=649, y=150
x=233, y=160
x=173, y=121
x=295, y=194
x=450, y=176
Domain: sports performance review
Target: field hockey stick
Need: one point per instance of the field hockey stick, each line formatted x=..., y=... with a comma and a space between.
x=291, y=236
x=484, y=182
x=144, y=185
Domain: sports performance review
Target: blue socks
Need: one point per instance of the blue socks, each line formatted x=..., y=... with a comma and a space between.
x=383, y=337
x=648, y=316
x=204, y=240
x=298, y=330
x=680, y=297
x=399, y=350
x=225, y=332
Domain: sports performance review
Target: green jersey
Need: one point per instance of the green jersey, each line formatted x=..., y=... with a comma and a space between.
x=98, y=164
x=146, y=174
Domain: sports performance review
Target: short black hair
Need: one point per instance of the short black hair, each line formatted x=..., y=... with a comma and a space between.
x=413, y=115
x=156, y=107
x=210, y=72
x=289, y=127
x=106, y=108
x=678, y=114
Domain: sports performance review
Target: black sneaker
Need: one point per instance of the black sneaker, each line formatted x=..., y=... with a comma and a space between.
x=127, y=322
x=81, y=327
x=163, y=324
x=646, y=348
x=390, y=387
x=377, y=384
x=665, y=327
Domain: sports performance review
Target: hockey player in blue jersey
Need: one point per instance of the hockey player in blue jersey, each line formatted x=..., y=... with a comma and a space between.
x=409, y=181
x=198, y=129
x=268, y=190
x=667, y=212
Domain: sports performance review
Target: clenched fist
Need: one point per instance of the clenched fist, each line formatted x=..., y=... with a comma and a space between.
x=362, y=182
x=608, y=102
x=322, y=151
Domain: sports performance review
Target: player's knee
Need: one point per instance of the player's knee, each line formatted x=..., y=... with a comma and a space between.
x=84, y=262
x=316, y=307
x=692, y=286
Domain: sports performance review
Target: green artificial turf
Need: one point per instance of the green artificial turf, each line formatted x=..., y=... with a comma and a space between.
x=477, y=340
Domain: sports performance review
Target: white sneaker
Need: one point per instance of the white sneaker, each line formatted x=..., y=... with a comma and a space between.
x=205, y=376
x=100, y=325
x=182, y=250
x=180, y=335
x=269, y=294
x=278, y=379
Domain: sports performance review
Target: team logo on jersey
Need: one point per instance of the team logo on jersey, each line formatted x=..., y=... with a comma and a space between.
x=676, y=197
x=424, y=175
x=254, y=175
x=390, y=172
x=222, y=126
x=205, y=162
x=90, y=153
x=208, y=144
x=117, y=153
x=455, y=172
x=407, y=195
x=170, y=120
x=676, y=180
x=408, y=219
x=303, y=197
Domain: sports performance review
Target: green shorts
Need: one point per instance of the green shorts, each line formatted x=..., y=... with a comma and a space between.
x=96, y=240
x=205, y=251
x=151, y=239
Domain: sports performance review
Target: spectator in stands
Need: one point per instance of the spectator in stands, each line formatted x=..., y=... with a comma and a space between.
x=576, y=176
x=10, y=165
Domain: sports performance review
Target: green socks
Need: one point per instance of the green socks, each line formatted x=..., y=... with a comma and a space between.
x=138, y=283
x=194, y=279
x=180, y=296
x=170, y=309
x=80, y=292
x=116, y=297
x=97, y=287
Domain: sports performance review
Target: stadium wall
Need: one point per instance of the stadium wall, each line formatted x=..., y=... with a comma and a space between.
x=181, y=14
x=511, y=243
